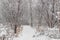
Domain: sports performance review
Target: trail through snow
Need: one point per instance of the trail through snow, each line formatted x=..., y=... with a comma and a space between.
x=27, y=34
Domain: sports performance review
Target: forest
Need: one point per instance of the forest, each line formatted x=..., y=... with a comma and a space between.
x=42, y=16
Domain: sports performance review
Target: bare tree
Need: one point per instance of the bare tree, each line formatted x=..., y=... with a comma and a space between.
x=51, y=18
x=31, y=12
x=12, y=13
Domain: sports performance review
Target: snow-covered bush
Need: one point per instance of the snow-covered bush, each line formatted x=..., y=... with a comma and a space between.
x=53, y=33
x=6, y=31
x=3, y=30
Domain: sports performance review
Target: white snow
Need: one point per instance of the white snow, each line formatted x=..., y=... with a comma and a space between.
x=2, y=30
x=27, y=34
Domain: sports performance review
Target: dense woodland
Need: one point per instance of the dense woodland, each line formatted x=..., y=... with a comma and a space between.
x=30, y=12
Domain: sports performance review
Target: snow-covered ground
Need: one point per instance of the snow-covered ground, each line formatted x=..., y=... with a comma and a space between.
x=29, y=33
x=26, y=34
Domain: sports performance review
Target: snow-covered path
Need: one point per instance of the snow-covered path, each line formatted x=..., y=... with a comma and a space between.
x=27, y=34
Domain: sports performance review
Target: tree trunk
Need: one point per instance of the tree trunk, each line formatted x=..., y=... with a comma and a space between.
x=18, y=29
